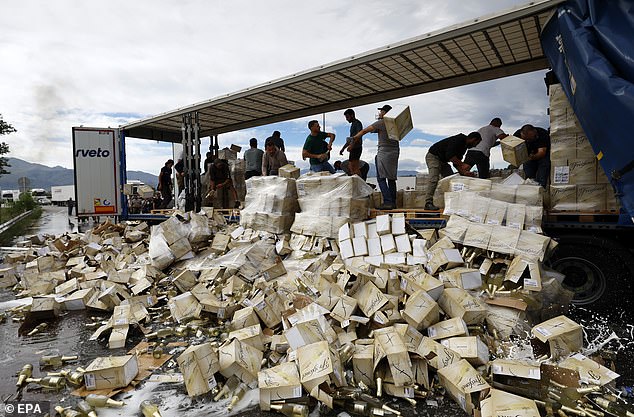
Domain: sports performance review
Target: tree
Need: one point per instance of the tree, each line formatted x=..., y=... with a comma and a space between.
x=5, y=129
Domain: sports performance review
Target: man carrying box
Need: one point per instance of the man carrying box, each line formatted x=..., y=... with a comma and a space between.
x=386, y=160
x=538, y=144
x=440, y=154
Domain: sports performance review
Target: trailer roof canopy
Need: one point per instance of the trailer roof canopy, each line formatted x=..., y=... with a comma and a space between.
x=483, y=49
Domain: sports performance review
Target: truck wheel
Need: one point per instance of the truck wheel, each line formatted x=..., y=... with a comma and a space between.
x=597, y=270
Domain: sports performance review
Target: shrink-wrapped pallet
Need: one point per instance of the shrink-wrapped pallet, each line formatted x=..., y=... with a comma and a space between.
x=270, y=204
x=329, y=201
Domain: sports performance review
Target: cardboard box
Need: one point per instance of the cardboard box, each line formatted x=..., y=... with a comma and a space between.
x=590, y=371
x=456, y=302
x=591, y=197
x=279, y=382
x=437, y=355
x=111, y=372
x=184, y=307
x=399, y=123
x=562, y=335
x=198, y=364
x=465, y=278
x=403, y=244
x=79, y=299
x=421, y=310
x=251, y=335
x=289, y=171
x=583, y=171
x=471, y=348
x=363, y=361
x=514, y=150
x=241, y=360
x=315, y=362
x=563, y=197
x=443, y=258
x=383, y=224
x=464, y=384
x=502, y=403
x=388, y=245
x=517, y=373
x=448, y=328
x=370, y=299
x=360, y=246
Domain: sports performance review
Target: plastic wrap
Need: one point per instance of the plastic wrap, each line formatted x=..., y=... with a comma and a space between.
x=329, y=201
x=270, y=204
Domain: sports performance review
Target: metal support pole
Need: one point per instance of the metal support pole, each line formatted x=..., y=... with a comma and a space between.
x=196, y=165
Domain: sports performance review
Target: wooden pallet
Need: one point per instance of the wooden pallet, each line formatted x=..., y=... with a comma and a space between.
x=411, y=213
x=166, y=212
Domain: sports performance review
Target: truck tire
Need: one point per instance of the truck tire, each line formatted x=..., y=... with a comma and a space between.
x=598, y=270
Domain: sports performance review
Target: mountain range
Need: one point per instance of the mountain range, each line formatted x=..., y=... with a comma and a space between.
x=42, y=176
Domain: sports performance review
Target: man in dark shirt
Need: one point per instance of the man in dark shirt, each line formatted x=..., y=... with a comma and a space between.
x=220, y=179
x=317, y=149
x=538, y=145
x=276, y=138
x=344, y=166
x=440, y=154
x=354, y=147
x=165, y=183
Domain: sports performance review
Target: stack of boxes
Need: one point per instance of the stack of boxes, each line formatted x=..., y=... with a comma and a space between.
x=329, y=201
x=577, y=181
x=270, y=204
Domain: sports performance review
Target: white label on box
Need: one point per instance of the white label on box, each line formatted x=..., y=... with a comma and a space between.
x=292, y=356
x=457, y=187
x=543, y=331
x=293, y=320
x=212, y=382
x=297, y=392
x=247, y=303
x=89, y=380
x=221, y=313
x=379, y=319
x=260, y=306
x=121, y=322
x=534, y=373
x=561, y=175
x=404, y=284
x=266, y=276
x=345, y=323
x=529, y=282
x=300, y=190
x=409, y=392
x=432, y=331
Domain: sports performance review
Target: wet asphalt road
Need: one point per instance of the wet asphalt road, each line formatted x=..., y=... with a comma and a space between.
x=68, y=335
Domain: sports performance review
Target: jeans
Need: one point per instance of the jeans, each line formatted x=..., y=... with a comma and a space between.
x=480, y=160
x=538, y=170
x=436, y=168
x=323, y=166
x=388, y=189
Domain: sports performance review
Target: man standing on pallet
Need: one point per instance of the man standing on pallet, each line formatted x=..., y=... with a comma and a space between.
x=165, y=184
x=354, y=147
x=538, y=144
x=317, y=149
x=451, y=149
x=481, y=153
x=386, y=160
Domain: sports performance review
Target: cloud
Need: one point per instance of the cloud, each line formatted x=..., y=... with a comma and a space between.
x=423, y=142
x=108, y=63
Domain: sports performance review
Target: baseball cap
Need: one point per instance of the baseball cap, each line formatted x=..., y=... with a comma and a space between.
x=386, y=108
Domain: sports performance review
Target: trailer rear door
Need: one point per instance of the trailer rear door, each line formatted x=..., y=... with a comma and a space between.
x=97, y=173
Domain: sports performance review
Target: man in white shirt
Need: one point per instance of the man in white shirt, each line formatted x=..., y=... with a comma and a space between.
x=480, y=154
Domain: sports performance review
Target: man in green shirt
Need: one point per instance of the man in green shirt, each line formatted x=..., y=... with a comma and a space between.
x=317, y=149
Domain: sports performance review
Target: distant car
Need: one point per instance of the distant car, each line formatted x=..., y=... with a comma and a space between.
x=44, y=201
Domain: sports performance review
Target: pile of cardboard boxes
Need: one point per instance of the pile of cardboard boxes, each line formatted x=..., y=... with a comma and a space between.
x=370, y=309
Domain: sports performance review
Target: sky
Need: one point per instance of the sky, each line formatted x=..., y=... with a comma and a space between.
x=106, y=63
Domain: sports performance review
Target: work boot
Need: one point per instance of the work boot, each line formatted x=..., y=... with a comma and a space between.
x=431, y=207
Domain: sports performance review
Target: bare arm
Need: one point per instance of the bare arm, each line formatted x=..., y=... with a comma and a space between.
x=368, y=129
x=332, y=139
x=541, y=153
